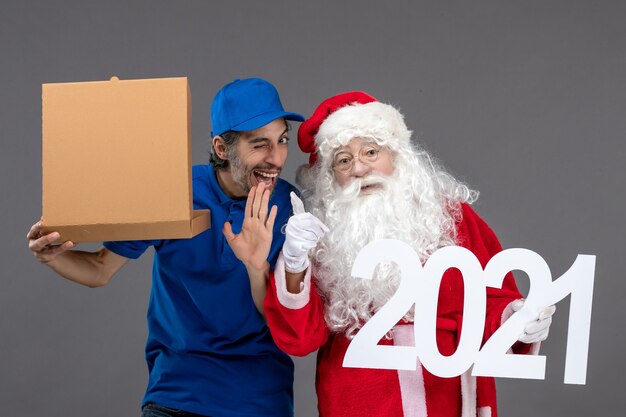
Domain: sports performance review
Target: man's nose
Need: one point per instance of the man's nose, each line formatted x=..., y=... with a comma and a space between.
x=275, y=156
x=360, y=169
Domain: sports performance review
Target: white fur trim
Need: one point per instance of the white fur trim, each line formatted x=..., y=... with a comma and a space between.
x=373, y=120
x=534, y=348
x=468, y=394
x=412, y=388
x=484, y=412
x=286, y=298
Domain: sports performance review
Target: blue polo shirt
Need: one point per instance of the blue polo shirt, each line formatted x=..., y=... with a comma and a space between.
x=208, y=350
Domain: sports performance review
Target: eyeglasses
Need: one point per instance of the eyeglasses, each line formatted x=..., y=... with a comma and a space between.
x=344, y=161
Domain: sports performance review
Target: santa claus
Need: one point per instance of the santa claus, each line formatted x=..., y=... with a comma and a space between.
x=368, y=181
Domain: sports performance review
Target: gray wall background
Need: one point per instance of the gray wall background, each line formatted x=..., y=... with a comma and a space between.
x=523, y=100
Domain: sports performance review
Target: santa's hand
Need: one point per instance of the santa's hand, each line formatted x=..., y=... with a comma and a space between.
x=302, y=233
x=535, y=330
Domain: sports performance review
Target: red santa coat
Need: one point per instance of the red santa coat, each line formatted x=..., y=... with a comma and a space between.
x=297, y=324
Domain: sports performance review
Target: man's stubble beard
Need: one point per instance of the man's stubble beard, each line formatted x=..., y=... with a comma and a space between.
x=241, y=173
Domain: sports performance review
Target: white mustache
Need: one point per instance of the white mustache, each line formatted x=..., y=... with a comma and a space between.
x=353, y=189
x=372, y=180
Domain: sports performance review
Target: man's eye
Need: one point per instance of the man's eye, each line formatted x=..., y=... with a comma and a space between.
x=283, y=140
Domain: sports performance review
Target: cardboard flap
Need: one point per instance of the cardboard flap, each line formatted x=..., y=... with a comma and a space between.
x=117, y=153
x=201, y=221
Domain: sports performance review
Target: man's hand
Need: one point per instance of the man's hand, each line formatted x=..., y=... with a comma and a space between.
x=303, y=232
x=536, y=330
x=93, y=269
x=46, y=247
x=252, y=245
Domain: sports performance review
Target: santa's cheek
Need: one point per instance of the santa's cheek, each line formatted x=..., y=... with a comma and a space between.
x=342, y=180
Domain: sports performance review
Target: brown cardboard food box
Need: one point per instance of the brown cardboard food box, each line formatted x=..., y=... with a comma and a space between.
x=117, y=160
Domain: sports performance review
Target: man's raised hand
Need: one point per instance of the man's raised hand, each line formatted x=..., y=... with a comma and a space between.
x=252, y=245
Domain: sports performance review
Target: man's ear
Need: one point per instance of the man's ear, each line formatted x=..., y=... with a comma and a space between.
x=221, y=150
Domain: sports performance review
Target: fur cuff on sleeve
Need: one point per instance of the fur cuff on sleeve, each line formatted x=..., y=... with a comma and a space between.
x=287, y=299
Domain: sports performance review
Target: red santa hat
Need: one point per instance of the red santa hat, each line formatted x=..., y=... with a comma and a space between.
x=340, y=118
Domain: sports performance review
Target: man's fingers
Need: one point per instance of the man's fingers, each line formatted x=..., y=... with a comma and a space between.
x=48, y=253
x=296, y=203
x=227, y=230
x=34, y=231
x=46, y=248
x=271, y=218
x=257, y=203
x=43, y=242
x=57, y=249
x=265, y=200
x=249, y=201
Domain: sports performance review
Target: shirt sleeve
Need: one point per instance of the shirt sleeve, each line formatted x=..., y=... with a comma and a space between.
x=296, y=321
x=132, y=249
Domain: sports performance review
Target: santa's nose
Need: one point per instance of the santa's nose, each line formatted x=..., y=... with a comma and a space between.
x=360, y=169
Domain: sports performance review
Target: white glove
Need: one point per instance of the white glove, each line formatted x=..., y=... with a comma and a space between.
x=302, y=233
x=536, y=330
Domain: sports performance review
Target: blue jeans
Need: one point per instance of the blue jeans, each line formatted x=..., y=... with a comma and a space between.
x=155, y=410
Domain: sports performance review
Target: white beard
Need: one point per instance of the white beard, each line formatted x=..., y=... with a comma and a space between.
x=418, y=204
x=354, y=221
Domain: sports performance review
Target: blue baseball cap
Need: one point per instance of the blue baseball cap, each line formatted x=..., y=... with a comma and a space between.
x=247, y=105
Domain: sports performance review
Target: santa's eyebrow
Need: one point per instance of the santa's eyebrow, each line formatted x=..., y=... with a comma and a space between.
x=340, y=151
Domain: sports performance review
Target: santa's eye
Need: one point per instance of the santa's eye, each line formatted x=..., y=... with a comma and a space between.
x=342, y=159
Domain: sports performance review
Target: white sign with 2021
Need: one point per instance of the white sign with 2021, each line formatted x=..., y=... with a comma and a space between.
x=419, y=286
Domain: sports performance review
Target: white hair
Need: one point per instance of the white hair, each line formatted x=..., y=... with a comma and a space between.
x=419, y=204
